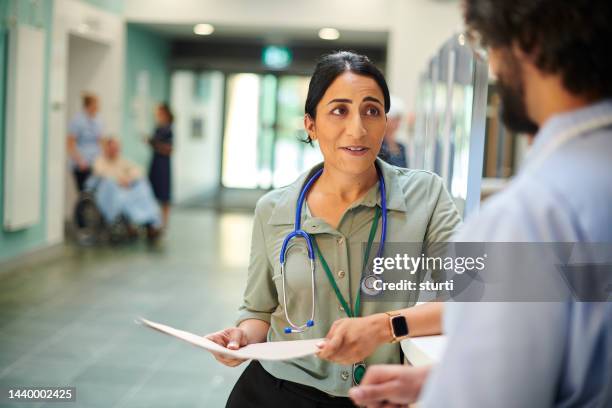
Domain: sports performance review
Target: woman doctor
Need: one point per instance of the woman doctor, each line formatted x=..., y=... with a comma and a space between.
x=346, y=114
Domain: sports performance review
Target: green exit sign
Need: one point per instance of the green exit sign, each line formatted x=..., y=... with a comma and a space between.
x=275, y=57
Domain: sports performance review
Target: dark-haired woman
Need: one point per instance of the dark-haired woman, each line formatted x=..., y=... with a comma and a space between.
x=159, y=172
x=345, y=114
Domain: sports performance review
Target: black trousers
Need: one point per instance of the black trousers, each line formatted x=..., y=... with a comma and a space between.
x=256, y=388
x=80, y=176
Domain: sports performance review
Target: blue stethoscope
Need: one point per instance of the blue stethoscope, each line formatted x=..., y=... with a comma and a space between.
x=367, y=283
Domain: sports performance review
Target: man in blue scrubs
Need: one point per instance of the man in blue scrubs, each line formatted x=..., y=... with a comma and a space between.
x=553, y=63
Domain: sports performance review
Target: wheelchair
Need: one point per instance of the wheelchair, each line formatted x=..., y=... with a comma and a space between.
x=91, y=228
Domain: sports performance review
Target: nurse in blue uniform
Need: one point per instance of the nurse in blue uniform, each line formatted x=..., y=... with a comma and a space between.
x=83, y=143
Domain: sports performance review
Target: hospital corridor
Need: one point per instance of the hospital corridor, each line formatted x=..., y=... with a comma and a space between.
x=305, y=204
x=70, y=320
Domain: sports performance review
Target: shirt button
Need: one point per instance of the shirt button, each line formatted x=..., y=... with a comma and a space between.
x=340, y=240
x=344, y=375
x=341, y=274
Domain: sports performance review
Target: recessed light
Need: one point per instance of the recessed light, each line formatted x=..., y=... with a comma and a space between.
x=203, y=29
x=329, y=34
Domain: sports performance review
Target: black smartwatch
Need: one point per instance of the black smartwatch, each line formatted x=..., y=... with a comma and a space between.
x=399, y=326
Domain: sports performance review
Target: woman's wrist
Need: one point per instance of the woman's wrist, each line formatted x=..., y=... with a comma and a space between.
x=381, y=328
x=254, y=330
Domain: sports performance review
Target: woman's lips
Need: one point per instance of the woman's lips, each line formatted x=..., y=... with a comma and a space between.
x=355, y=150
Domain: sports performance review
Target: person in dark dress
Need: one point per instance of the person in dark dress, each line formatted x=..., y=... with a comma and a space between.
x=159, y=172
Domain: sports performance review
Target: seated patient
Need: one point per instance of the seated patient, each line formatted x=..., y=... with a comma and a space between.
x=122, y=189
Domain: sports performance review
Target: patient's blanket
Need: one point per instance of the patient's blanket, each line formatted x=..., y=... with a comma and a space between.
x=136, y=202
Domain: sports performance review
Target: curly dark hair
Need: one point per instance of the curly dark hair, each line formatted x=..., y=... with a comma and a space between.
x=572, y=38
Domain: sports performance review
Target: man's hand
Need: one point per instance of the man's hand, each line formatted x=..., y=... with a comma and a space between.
x=353, y=339
x=389, y=386
x=124, y=181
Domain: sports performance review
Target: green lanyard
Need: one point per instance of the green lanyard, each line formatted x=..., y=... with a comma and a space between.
x=356, y=310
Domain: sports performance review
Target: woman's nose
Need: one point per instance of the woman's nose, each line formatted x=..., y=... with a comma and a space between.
x=355, y=127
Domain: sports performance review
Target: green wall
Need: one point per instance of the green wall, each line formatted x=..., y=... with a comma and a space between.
x=147, y=52
x=15, y=243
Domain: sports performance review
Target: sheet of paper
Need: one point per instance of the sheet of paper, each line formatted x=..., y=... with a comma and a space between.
x=426, y=350
x=278, y=350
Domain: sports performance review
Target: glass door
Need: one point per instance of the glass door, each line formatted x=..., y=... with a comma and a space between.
x=240, y=141
x=264, y=124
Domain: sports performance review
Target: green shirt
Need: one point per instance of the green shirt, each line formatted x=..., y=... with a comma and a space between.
x=419, y=210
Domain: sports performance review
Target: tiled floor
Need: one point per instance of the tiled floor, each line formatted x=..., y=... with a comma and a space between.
x=71, y=321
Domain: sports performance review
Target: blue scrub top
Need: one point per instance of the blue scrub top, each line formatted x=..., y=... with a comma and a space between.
x=87, y=131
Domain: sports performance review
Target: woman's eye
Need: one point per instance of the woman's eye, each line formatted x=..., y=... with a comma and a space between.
x=372, y=111
x=340, y=110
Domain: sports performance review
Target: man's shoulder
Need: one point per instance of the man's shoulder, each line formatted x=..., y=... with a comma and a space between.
x=527, y=210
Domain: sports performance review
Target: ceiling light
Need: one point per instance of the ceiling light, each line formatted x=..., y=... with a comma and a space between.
x=329, y=34
x=203, y=29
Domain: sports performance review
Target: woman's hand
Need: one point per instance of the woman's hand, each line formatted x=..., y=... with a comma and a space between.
x=351, y=340
x=163, y=148
x=232, y=338
x=82, y=164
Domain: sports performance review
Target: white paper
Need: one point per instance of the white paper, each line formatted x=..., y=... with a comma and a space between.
x=426, y=350
x=278, y=350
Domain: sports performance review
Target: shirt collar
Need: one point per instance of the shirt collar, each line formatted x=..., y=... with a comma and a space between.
x=284, y=210
x=562, y=122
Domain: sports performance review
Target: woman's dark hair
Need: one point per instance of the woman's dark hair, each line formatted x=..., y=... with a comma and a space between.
x=567, y=37
x=331, y=66
x=167, y=111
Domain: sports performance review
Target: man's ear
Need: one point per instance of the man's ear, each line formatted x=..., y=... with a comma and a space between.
x=527, y=62
x=521, y=55
x=309, y=125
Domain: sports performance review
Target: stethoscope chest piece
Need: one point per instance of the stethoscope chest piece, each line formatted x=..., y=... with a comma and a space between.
x=368, y=285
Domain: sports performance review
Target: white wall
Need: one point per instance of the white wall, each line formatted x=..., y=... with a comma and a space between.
x=72, y=16
x=347, y=14
x=196, y=161
x=85, y=72
x=416, y=27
